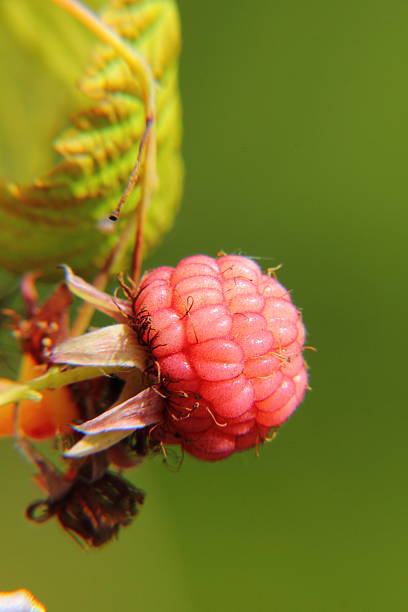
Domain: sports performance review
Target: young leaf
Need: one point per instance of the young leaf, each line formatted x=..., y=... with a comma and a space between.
x=62, y=216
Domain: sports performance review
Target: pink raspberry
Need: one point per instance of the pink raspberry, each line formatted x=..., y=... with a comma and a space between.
x=227, y=344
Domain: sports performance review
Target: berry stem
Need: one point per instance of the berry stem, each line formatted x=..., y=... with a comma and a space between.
x=149, y=183
x=86, y=310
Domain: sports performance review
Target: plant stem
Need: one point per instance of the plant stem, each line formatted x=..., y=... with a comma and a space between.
x=86, y=310
x=53, y=379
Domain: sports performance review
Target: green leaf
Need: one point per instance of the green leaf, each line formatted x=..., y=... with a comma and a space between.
x=61, y=216
x=42, y=51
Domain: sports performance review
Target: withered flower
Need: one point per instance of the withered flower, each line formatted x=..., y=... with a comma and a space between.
x=90, y=501
x=43, y=327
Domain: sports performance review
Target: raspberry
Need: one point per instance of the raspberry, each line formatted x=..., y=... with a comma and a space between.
x=227, y=345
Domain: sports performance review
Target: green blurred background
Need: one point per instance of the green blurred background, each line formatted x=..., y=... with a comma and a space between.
x=296, y=124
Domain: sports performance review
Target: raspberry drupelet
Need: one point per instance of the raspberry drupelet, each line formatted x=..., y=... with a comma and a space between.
x=227, y=345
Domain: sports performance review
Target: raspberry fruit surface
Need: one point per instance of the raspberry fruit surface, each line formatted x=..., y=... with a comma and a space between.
x=227, y=342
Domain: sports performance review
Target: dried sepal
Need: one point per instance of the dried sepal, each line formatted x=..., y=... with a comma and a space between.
x=143, y=409
x=89, y=445
x=112, y=346
x=105, y=430
x=113, y=307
